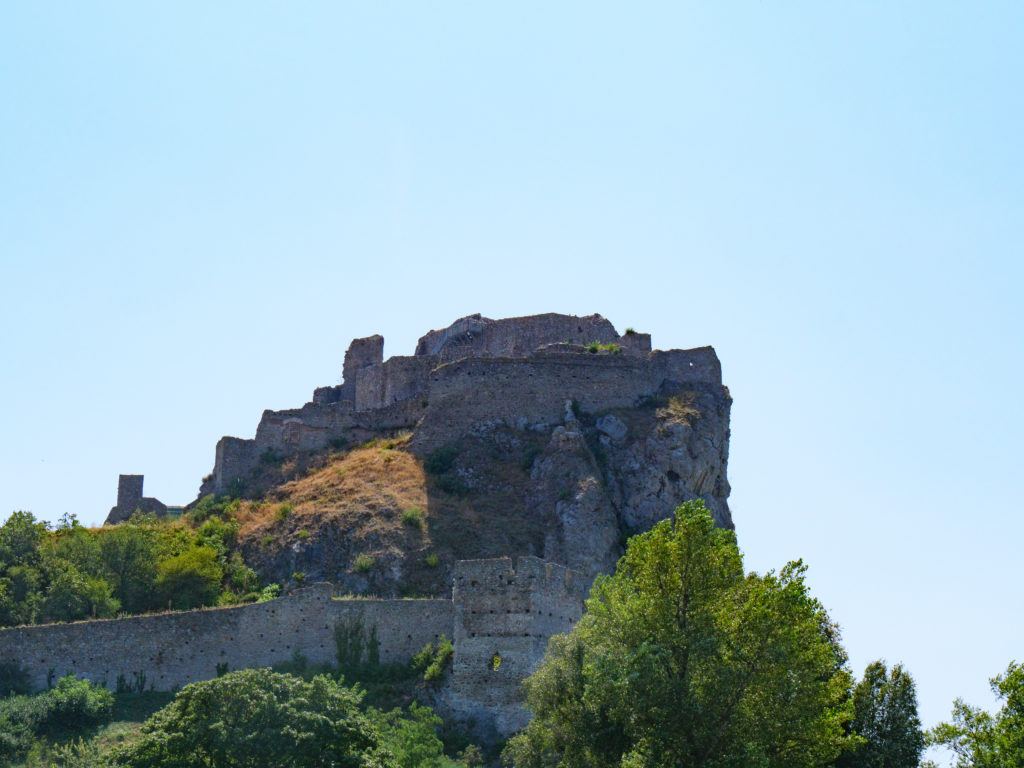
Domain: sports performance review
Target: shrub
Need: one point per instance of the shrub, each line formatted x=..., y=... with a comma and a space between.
x=431, y=560
x=14, y=680
x=303, y=534
x=441, y=460
x=284, y=509
x=299, y=577
x=271, y=458
x=224, y=722
x=680, y=409
x=267, y=541
x=528, y=456
x=363, y=563
x=453, y=486
x=611, y=347
x=270, y=592
x=71, y=707
x=413, y=517
x=191, y=579
x=442, y=658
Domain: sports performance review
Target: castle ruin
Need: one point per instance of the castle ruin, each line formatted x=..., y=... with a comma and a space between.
x=496, y=612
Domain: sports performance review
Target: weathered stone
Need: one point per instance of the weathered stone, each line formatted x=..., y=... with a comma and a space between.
x=612, y=427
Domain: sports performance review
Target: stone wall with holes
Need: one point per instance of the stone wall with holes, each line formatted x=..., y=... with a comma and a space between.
x=172, y=649
x=504, y=616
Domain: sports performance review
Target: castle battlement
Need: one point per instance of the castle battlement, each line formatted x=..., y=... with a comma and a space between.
x=517, y=371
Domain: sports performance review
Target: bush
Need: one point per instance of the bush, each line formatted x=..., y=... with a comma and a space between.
x=363, y=563
x=191, y=579
x=452, y=486
x=284, y=509
x=259, y=717
x=73, y=706
x=14, y=680
x=413, y=517
x=441, y=460
x=432, y=560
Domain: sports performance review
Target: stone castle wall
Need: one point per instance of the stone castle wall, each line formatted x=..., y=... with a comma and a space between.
x=174, y=649
x=477, y=336
x=504, y=617
x=518, y=371
x=499, y=618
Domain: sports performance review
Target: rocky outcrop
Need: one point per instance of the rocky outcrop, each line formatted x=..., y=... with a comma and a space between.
x=616, y=436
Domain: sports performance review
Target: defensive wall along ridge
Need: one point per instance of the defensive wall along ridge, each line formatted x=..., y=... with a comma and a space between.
x=517, y=371
x=499, y=618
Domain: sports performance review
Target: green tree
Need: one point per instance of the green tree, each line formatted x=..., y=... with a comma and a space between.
x=73, y=595
x=681, y=660
x=255, y=718
x=981, y=740
x=885, y=717
x=190, y=580
x=412, y=738
x=20, y=537
x=129, y=557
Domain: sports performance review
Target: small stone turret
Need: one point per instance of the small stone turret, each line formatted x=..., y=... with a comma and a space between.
x=130, y=500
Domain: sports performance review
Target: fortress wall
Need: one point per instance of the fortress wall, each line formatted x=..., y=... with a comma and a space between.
x=235, y=458
x=528, y=390
x=399, y=378
x=686, y=365
x=636, y=343
x=519, y=336
x=174, y=649
x=503, y=620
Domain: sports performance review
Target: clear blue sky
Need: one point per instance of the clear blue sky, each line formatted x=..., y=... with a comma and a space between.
x=201, y=204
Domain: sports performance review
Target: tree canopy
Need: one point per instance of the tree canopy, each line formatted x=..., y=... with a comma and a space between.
x=981, y=740
x=681, y=659
x=255, y=718
x=885, y=718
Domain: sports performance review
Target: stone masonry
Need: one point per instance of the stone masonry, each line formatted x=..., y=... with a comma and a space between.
x=517, y=371
x=499, y=619
x=130, y=500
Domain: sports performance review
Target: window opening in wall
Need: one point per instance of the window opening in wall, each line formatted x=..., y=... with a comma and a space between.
x=495, y=661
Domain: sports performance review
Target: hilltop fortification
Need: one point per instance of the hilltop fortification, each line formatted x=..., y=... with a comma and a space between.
x=581, y=434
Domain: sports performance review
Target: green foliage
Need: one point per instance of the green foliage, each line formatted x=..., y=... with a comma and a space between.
x=885, y=718
x=363, y=563
x=441, y=460
x=284, y=509
x=130, y=557
x=683, y=660
x=259, y=717
x=73, y=706
x=432, y=560
x=348, y=642
x=72, y=595
x=299, y=577
x=270, y=592
x=412, y=739
x=611, y=347
x=452, y=485
x=528, y=456
x=432, y=661
x=191, y=579
x=981, y=740
x=413, y=517
x=14, y=680
x=441, y=661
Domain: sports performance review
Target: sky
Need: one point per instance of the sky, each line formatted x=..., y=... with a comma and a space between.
x=202, y=204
